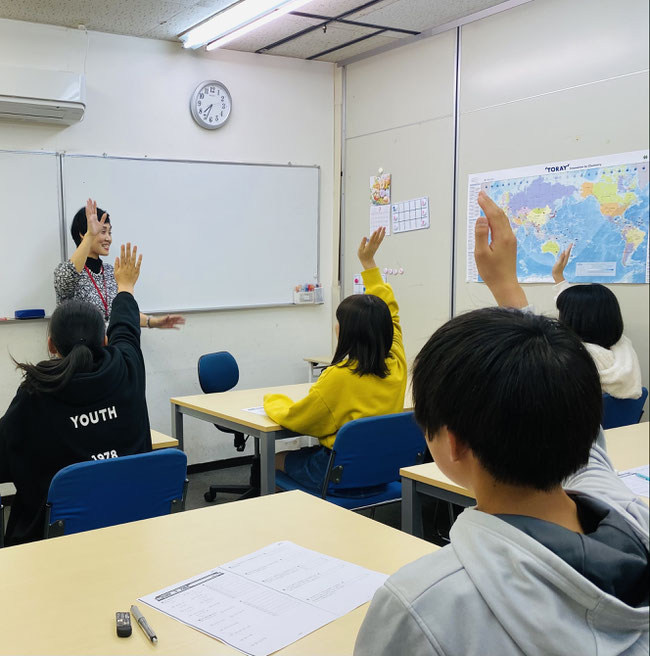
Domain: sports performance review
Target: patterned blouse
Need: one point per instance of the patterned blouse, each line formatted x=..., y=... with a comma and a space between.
x=86, y=285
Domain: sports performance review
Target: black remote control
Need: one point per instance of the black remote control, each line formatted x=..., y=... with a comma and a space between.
x=123, y=624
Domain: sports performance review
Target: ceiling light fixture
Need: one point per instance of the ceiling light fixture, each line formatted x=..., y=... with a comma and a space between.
x=237, y=20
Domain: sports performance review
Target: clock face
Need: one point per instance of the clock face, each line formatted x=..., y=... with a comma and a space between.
x=211, y=104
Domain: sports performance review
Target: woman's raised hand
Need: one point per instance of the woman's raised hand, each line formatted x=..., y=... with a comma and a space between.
x=560, y=264
x=94, y=225
x=369, y=247
x=127, y=268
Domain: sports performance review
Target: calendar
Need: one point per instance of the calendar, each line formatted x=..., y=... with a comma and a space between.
x=410, y=215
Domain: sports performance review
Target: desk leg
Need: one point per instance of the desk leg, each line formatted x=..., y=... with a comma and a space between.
x=267, y=463
x=177, y=425
x=411, y=509
x=311, y=372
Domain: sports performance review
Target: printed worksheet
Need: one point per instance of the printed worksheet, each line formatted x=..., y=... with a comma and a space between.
x=637, y=480
x=266, y=600
x=379, y=218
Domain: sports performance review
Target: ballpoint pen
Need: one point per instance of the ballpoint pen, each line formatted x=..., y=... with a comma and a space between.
x=643, y=476
x=139, y=618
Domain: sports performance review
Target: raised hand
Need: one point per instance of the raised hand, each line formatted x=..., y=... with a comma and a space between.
x=94, y=225
x=167, y=321
x=127, y=268
x=560, y=264
x=368, y=248
x=497, y=260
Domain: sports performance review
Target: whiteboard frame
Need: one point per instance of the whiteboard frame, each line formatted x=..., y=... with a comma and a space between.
x=220, y=308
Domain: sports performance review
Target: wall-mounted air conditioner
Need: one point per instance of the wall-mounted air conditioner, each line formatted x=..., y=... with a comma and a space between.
x=29, y=94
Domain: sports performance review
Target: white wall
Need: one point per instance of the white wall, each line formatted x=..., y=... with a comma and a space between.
x=530, y=100
x=399, y=116
x=138, y=94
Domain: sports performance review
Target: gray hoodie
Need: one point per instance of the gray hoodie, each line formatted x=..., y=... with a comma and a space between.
x=497, y=591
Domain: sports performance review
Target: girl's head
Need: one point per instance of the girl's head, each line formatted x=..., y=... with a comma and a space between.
x=76, y=334
x=102, y=242
x=365, y=334
x=592, y=312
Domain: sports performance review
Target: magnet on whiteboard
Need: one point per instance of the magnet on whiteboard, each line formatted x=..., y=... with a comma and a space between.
x=401, y=271
x=385, y=269
x=390, y=272
x=380, y=170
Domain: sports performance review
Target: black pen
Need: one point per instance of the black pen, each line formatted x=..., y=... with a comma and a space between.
x=139, y=618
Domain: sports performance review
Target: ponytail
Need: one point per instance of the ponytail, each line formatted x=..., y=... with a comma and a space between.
x=51, y=376
x=77, y=331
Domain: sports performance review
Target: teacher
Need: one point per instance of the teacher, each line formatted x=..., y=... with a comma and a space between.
x=84, y=277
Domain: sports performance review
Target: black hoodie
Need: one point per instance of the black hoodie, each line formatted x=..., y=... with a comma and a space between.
x=97, y=415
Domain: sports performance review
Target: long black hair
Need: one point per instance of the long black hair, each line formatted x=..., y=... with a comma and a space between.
x=365, y=334
x=77, y=331
x=79, y=224
x=592, y=312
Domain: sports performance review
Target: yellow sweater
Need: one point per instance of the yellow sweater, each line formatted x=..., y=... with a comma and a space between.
x=339, y=395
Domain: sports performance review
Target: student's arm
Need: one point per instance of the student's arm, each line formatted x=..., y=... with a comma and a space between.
x=389, y=628
x=558, y=272
x=10, y=425
x=309, y=416
x=496, y=260
x=375, y=285
x=599, y=479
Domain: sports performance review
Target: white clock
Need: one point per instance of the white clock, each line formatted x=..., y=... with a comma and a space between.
x=211, y=104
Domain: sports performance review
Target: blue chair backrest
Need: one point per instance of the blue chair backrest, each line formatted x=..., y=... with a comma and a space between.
x=218, y=372
x=370, y=451
x=98, y=493
x=622, y=412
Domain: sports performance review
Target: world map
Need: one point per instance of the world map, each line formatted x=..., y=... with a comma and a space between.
x=602, y=210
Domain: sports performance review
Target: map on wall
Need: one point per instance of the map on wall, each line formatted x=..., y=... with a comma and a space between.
x=600, y=205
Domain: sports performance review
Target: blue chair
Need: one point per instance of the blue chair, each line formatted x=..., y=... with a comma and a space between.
x=623, y=412
x=218, y=372
x=97, y=493
x=366, y=458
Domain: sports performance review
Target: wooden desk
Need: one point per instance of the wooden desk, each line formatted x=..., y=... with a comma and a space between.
x=59, y=596
x=226, y=409
x=317, y=364
x=627, y=447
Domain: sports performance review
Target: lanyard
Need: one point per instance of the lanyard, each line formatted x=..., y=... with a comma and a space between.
x=104, y=297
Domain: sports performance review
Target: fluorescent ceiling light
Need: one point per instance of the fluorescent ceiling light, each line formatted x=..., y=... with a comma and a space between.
x=239, y=19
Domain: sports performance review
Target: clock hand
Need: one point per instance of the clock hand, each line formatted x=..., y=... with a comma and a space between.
x=207, y=111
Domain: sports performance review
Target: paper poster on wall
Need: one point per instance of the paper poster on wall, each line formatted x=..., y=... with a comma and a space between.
x=379, y=218
x=380, y=189
x=410, y=215
x=598, y=204
x=357, y=283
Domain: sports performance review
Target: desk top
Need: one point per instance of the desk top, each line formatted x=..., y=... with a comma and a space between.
x=319, y=359
x=162, y=441
x=627, y=447
x=72, y=586
x=229, y=405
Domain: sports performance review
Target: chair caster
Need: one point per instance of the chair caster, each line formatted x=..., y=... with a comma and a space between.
x=210, y=496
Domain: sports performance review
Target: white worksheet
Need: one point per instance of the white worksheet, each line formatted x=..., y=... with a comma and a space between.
x=257, y=410
x=379, y=218
x=266, y=600
x=637, y=480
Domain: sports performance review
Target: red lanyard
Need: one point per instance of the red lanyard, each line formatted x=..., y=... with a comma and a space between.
x=104, y=298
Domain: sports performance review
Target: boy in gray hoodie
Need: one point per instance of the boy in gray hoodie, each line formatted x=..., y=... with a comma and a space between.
x=553, y=559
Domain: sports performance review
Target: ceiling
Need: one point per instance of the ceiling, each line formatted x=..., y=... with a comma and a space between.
x=326, y=30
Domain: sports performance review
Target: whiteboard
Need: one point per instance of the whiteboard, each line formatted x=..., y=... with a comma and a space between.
x=213, y=235
x=30, y=247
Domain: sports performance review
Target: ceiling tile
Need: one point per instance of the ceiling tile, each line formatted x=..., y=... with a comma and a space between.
x=180, y=22
x=359, y=48
x=318, y=41
x=420, y=15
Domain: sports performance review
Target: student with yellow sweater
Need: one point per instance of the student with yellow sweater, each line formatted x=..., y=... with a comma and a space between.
x=367, y=376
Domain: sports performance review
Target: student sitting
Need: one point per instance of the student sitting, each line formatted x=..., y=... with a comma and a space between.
x=553, y=559
x=593, y=313
x=367, y=376
x=87, y=403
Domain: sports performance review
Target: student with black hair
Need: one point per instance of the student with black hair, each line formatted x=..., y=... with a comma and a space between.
x=86, y=277
x=86, y=403
x=593, y=313
x=367, y=376
x=553, y=559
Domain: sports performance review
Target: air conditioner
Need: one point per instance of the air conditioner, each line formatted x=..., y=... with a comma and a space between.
x=28, y=94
